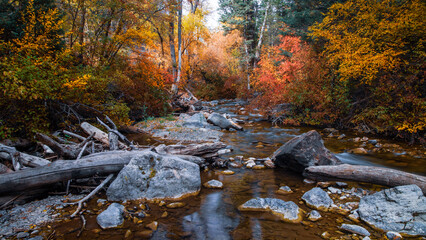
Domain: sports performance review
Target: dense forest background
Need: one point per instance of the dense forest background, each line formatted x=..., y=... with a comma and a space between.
x=350, y=64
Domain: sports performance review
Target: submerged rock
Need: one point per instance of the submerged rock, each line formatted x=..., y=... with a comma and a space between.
x=355, y=229
x=287, y=211
x=153, y=176
x=304, y=151
x=213, y=184
x=318, y=199
x=111, y=217
x=401, y=209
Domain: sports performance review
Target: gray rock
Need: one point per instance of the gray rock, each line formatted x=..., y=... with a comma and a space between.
x=284, y=190
x=153, y=176
x=304, y=151
x=334, y=190
x=213, y=184
x=194, y=159
x=222, y=122
x=401, y=209
x=355, y=229
x=36, y=238
x=287, y=211
x=318, y=199
x=393, y=235
x=111, y=217
x=197, y=120
x=22, y=235
x=314, y=216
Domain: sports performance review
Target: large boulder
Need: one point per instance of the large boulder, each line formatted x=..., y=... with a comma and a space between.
x=111, y=217
x=222, y=122
x=197, y=120
x=153, y=176
x=401, y=209
x=287, y=211
x=304, y=151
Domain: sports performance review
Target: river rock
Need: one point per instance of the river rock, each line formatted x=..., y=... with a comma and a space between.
x=153, y=176
x=393, y=235
x=111, y=217
x=355, y=229
x=314, y=216
x=222, y=122
x=197, y=120
x=359, y=150
x=304, y=151
x=284, y=190
x=213, y=184
x=401, y=209
x=287, y=211
x=318, y=199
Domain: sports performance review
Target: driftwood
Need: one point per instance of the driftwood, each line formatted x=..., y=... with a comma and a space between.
x=73, y=135
x=66, y=151
x=99, y=134
x=91, y=194
x=62, y=170
x=25, y=159
x=201, y=150
x=376, y=175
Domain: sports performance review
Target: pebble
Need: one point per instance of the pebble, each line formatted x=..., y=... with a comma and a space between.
x=325, y=235
x=269, y=164
x=314, y=216
x=324, y=184
x=355, y=229
x=341, y=184
x=250, y=164
x=22, y=235
x=308, y=181
x=334, y=190
x=165, y=214
x=393, y=235
x=228, y=172
x=153, y=226
x=259, y=167
x=213, y=184
x=128, y=233
x=359, y=150
x=239, y=158
x=284, y=190
x=341, y=136
x=175, y=205
x=235, y=165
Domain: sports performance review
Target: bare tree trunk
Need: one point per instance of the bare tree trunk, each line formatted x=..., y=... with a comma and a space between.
x=172, y=49
x=259, y=43
x=175, y=86
x=81, y=30
x=376, y=175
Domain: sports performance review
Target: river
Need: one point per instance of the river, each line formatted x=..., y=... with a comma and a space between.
x=213, y=214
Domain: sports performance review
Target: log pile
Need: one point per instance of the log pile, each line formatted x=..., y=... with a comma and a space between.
x=79, y=157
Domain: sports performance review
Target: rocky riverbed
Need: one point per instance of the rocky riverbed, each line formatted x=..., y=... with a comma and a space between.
x=248, y=199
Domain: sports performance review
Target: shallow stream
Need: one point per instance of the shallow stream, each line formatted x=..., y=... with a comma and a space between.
x=213, y=214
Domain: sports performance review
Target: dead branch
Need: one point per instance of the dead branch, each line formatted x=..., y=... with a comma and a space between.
x=91, y=194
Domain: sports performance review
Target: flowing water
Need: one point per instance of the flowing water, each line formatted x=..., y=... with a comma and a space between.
x=213, y=214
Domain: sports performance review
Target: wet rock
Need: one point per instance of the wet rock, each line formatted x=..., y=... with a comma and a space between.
x=393, y=235
x=354, y=216
x=340, y=209
x=364, y=139
x=334, y=190
x=250, y=164
x=373, y=142
x=318, y=199
x=330, y=130
x=314, y=216
x=259, y=167
x=308, y=181
x=239, y=158
x=213, y=184
x=287, y=211
x=284, y=190
x=111, y=217
x=355, y=229
x=235, y=165
x=36, y=238
x=153, y=176
x=175, y=205
x=128, y=233
x=222, y=122
x=358, y=151
x=401, y=209
x=143, y=234
x=153, y=226
x=324, y=184
x=357, y=139
x=326, y=235
x=341, y=184
x=269, y=164
x=304, y=151
x=22, y=235
x=228, y=172
x=341, y=136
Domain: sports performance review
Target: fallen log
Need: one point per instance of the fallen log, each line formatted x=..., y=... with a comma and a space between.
x=63, y=170
x=201, y=150
x=25, y=159
x=368, y=174
x=99, y=134
x=66, y=151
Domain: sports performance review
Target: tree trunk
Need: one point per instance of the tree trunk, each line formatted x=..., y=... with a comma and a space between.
x=172, y=49
x=25, y=159
x=191, y=149
x=259, y=43
x=175, y=87
x=375, y=175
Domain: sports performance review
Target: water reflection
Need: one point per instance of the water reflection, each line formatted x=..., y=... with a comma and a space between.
x=212, y=220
